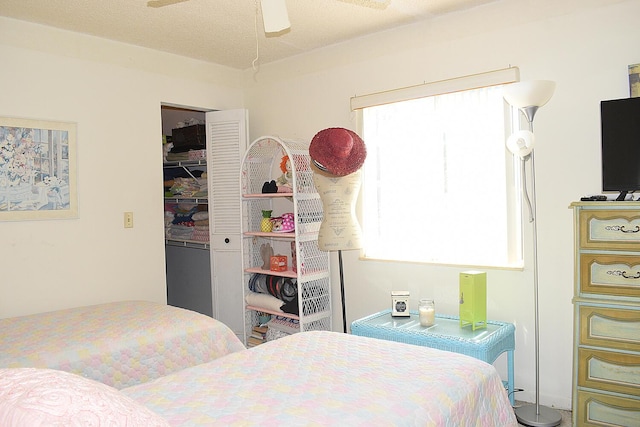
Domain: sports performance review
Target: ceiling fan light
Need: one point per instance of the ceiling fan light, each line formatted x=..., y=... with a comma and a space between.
x=274, y=16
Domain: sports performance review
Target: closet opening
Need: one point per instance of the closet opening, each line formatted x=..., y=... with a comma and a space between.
x=186, y=206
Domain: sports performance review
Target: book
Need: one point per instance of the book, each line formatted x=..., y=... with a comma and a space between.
x=253, y=341
x=260, y=329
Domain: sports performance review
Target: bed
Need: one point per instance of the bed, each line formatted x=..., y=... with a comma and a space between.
x=327, y=379
x=121, y=343
x=315, y=378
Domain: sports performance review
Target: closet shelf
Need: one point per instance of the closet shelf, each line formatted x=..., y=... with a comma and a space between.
x=266, y=195
x=275, y=313
x=195, y=244
x=287, y=273
x=196, y=200
x=183, y=163
x=270, y=235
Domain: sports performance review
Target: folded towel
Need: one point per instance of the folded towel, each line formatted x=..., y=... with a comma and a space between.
x=265, y=301
x=201, y=216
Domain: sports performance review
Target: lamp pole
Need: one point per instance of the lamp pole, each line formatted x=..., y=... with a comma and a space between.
x=535, y=415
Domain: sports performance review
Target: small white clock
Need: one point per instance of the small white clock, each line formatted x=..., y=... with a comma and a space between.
x=400, y=304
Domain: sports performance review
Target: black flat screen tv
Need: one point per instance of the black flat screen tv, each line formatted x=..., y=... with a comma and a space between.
x=620, y=125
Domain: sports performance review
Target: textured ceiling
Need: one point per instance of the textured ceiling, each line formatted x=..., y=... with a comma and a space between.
x=228, y=32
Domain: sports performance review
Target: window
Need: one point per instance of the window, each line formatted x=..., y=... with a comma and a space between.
x=439, y=185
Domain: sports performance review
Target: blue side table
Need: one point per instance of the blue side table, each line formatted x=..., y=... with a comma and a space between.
x=485, y=344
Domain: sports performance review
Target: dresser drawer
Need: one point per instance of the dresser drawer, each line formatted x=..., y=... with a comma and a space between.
x=596, y=409
x=611, y=328
x=615, y=275
x=609, y=371
x=610, y=229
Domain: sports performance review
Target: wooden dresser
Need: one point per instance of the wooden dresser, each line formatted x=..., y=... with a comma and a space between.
x=606, y=352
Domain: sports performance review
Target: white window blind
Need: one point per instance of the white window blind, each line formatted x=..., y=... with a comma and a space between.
x=438, y=184
x=475, y=81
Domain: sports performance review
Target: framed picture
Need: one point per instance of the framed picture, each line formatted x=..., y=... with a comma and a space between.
x=37, y=169
x=634, y=80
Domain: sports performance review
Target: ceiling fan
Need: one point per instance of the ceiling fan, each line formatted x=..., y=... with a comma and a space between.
x=274, y=12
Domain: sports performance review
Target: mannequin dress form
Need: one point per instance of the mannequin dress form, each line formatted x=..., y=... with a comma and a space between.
x=337, y=154
x=339, y=229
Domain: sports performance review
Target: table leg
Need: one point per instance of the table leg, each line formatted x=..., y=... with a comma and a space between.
x=510, y=387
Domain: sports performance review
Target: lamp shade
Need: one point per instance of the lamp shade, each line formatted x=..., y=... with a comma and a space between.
x=532, y=93
x=521, y=143
x=274, y=16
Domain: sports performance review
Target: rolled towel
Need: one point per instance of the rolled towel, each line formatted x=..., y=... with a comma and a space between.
x=265, y=301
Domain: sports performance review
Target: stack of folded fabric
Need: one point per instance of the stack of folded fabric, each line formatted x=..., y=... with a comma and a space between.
x=201, y=226
x=203, y=187
x=177, y=157
x=182, y=225
x=195, y=181
x=180, y=232
x=168, y=219
x=189, y=187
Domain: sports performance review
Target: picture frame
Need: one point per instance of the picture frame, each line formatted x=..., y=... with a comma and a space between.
x=37, y=169
x=634, y=80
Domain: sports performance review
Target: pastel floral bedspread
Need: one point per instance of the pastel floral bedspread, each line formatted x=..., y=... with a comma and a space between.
x=120, y=344
x=325, y=378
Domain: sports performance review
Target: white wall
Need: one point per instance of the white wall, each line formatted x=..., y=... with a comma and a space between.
x=585, y=46
x=113, y=92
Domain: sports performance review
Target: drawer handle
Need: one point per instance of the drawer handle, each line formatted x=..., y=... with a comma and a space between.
x=624, y=274
x=635, y=230
x=621, y=228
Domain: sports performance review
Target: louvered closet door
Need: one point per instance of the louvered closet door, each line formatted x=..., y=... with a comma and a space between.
x=227, y=140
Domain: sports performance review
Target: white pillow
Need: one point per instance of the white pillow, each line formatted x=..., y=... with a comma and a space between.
x=266, y=301
x=46, y=397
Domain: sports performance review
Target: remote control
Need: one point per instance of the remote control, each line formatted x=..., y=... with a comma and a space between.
x=598, y=198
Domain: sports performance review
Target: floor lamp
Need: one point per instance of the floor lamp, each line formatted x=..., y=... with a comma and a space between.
x=528, y=97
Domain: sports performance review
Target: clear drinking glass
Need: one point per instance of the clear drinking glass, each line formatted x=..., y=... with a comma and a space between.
x=427, y=310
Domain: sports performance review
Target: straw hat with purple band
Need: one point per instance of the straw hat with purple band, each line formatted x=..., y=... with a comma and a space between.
x=337, y=151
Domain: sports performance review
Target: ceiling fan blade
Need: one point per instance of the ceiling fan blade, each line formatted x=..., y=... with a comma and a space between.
x=162, y=3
